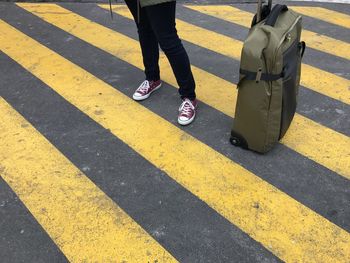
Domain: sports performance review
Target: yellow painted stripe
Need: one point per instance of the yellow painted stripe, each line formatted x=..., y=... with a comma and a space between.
x=287, y=228
x=86, y=224
x=127, y=49
x=312, y=77
x=317, y=140
x=330, y=16
x=314, y=40
x=326, y=44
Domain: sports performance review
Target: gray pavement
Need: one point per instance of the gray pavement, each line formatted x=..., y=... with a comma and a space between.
x=192, y=231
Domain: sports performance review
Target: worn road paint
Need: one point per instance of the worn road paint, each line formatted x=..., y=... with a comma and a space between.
x=324, y=14
x=288, y=229
x=305, y=136
x=85, y=223
x=240, y=17
x=128, y=50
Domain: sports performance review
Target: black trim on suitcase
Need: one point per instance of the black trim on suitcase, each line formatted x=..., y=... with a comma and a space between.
x=289, y=89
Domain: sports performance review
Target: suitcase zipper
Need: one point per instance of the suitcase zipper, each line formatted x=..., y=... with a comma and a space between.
x=284, y=37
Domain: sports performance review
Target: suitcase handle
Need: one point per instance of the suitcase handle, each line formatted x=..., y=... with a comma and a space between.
x=276, y=11
x=260, y=9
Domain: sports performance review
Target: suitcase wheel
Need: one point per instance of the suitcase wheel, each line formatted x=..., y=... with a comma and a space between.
x=235, y=141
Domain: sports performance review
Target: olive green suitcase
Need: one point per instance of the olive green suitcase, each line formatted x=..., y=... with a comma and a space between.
x=269, y=78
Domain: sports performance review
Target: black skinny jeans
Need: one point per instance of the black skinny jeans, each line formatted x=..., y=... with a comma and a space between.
x=157, y=26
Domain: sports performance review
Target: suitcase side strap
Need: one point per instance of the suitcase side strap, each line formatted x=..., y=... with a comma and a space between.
x=302, y=47
x=257, y=76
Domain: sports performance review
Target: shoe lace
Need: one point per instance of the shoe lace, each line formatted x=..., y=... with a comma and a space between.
x=144, y=87
x=186, y=107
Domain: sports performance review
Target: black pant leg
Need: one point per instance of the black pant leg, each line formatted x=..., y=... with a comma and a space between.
x=162, y=19
x=148, y=42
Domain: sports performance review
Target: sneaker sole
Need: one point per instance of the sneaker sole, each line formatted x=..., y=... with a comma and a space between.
x=137, y=98
x=184, y=123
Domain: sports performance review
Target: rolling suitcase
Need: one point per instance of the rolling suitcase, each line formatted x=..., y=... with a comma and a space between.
x=269, y=78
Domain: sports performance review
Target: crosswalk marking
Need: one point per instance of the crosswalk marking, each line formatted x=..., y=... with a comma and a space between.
x=305, y=136
x=240, y=17
x=324, y=14
x=290, y=230
x=326, y=44
x=232, y=48
x=128, y=50
x=85, y=223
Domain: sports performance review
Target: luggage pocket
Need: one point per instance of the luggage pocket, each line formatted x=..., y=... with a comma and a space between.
x=291, y=61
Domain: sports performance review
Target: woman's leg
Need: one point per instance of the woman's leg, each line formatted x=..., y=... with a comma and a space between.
x=148, y=42
x=162, y=19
